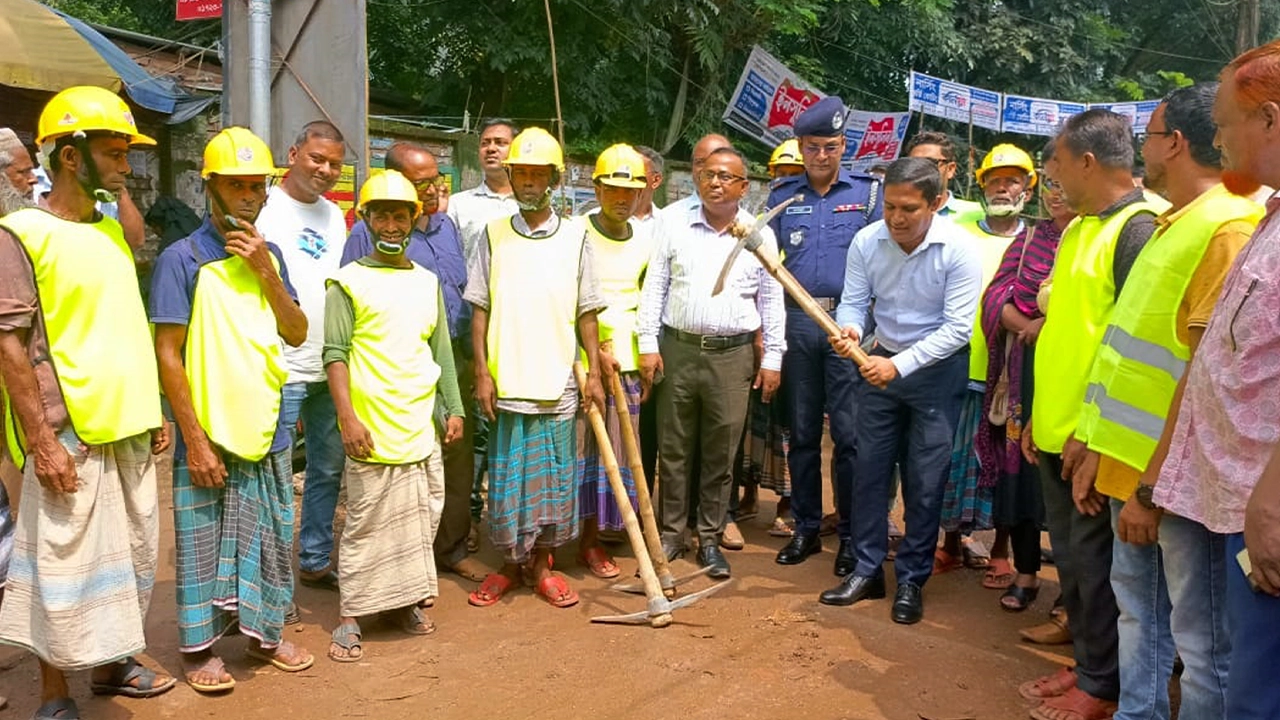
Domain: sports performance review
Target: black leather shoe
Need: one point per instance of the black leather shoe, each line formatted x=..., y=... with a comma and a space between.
x=673, y=552
x=852, y=589
x=710, y=556
x=908, y=604
x=800, y=547
x=845, y=561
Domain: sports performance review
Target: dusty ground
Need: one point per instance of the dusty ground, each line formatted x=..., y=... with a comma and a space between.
x=762, y=648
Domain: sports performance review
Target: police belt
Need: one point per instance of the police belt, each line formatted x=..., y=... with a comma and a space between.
x=826, y=303
x=710, y=342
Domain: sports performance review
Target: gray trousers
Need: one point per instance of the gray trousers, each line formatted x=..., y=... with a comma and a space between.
x=702, y=406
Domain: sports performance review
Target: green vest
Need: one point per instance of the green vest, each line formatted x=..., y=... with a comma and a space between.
x=990, y=249
x=99, y=340
x=619, y=265
x=234, y=358
x=1141, y=358
x=393, y=373
x=1077, y=314
x=533, y=309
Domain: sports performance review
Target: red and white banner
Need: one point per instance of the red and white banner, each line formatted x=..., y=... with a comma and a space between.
x=199, y=9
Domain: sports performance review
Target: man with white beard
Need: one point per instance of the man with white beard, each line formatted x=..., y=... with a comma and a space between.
x=1007, y=177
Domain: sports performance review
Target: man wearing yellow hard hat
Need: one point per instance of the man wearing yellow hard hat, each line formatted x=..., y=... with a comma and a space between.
x=387, y=353
x=531, y=283
x=82, y=384
x=1007, y=177
x=221, y=303
x=786, y=160
x=621, y=252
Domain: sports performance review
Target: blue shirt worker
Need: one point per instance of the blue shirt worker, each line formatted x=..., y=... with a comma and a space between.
x=925, y=278
x=814, y=235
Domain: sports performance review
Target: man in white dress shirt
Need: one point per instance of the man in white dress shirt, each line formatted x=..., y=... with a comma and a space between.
x=706, y=351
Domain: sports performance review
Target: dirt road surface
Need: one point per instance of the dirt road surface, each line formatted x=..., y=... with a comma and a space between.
x=762, y=648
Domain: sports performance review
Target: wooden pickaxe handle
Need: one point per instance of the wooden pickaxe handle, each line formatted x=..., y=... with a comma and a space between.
x=804, y=299
x=648, y=522
x=652, y=589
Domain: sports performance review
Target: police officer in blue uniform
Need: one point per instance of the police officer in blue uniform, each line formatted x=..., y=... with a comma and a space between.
x=814, y=235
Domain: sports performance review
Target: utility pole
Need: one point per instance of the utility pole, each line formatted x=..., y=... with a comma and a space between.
x=1249, y=18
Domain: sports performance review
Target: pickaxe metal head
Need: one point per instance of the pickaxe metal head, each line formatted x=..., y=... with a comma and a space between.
x=669, y=583
x=658, y=614
x=750, y=240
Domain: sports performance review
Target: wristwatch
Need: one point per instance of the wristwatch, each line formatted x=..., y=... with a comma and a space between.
x=1143, y=495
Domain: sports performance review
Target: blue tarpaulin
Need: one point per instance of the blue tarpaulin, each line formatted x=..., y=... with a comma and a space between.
x=160, y=94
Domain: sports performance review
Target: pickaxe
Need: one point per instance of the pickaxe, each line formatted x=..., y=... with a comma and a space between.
x=749, y=238
x=648, y=523
x=658, y=613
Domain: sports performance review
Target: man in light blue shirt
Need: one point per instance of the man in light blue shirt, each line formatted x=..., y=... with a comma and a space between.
x=926, y=279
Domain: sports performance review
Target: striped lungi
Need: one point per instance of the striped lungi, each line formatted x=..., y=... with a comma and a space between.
x=595, y=496
x=84, y=563
x=385, y=557
x=533, y=488
x=966, y=506
x=6, y=534
x=235, y=551
x=766, y=439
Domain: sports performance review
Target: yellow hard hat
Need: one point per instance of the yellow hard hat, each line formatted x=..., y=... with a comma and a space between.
x=86, y=108
x=1006, y=155
x=237, y=151
x=788, y=153
x=389, y=185
x=620, y=166
x=535, y=146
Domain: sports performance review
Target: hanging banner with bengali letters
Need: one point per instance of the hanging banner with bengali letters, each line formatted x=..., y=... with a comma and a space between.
x=953, y=101
x=873, y=138
x=768, y=99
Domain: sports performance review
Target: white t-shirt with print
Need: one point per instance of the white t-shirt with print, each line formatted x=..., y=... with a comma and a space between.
x=310, y=237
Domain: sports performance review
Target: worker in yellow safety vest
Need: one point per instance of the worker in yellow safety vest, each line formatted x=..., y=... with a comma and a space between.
x=1007, y=177
x=221, y=302
x=1092, y=161
x=82, y=413
x=533, y=286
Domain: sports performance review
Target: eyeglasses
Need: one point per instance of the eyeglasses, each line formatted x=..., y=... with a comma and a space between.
x=815, y=149
x=940, y=162
x=709, y=176
x=1050, y=185
x=1142, y=137
x=437, y=182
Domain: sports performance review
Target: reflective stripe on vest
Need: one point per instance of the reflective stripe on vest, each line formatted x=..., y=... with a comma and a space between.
x=533, y=307
x=234, y=358
x=99, y=339
x=1079, y=309
x=991, y=250
x=618, y=265
x=393, y=374
x=1142, y=356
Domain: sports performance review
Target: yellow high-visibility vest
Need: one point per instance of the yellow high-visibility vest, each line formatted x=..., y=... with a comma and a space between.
x=234, y=358
x=1078, y=312
x=1141, y=359
x=393, y=372
x=99, y=339
x=619, y=264
x=991, y=249
x=533, y=307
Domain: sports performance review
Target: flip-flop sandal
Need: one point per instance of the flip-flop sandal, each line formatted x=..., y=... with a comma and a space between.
x=491, y=590
x=1018, y=598
x=781, y=528
x=215, y=666
x=945, y=562
x=342, y=637
x=601, y=565
x=555, y=590
x=124, y=673
x=272, y=656
x=975, y=554
x=413, y=621
x=1048, y=686
x=58, y=709
x=327, y=581
x=999, y=575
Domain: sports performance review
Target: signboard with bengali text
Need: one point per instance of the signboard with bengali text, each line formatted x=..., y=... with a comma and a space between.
x=199, y=9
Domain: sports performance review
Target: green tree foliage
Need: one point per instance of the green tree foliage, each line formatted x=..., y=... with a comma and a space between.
x=660, y=72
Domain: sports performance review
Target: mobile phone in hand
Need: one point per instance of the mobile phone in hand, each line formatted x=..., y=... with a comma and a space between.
x=1242, y=559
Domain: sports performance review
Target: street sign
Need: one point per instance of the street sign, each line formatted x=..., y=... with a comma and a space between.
x=199, y=9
